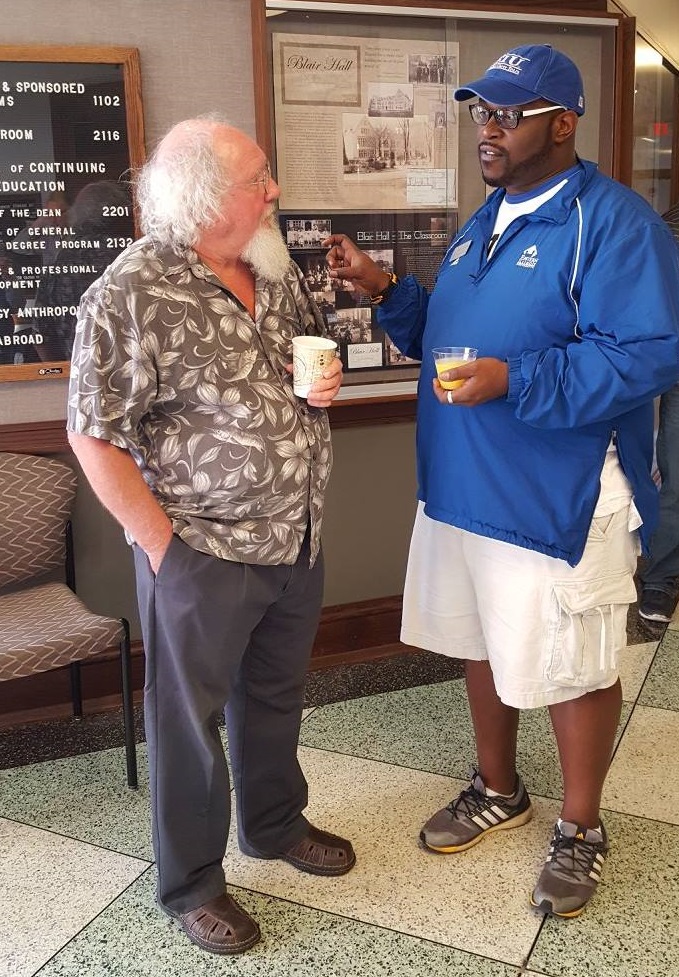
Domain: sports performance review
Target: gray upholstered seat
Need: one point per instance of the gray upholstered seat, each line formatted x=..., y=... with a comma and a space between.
x=43, y=624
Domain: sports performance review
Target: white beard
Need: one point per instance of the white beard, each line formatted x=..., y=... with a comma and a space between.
x=266, y=252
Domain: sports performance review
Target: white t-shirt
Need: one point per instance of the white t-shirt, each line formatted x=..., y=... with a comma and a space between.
x=509, y=211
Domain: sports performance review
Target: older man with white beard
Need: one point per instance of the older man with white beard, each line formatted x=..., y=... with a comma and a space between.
x=183, y=417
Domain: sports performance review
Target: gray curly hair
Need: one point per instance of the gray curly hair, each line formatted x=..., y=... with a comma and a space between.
x=180, y=190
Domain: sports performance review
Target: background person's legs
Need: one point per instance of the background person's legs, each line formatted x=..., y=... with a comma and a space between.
x=659, y=576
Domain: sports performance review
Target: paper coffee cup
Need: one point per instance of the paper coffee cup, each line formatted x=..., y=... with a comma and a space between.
x=310, y=356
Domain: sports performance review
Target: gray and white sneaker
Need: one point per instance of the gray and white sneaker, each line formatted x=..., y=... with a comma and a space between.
x=474, y=814
x=572, y=870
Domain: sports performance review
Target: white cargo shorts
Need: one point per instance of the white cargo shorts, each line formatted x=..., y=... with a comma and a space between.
x=551, y=632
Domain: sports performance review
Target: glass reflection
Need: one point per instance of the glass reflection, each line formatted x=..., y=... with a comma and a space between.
x=654, y=100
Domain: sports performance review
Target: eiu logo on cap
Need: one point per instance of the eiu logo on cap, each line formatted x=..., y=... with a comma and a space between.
x=510, y=62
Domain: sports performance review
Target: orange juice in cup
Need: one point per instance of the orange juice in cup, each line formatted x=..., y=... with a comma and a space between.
x=447, y=358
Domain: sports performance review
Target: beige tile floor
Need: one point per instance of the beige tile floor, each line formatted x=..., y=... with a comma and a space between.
x=76, y=873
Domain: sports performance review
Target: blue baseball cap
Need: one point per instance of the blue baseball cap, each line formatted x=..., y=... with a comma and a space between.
x=527, y=73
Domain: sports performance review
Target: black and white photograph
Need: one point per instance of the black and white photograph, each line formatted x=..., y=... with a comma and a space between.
x=307, y=233
x=394, y=356
x=315, y=271
x=390, y=100
x=380, y=146
x=353, y=325
x=326, y=305
x=439, y=69
x=384, y=257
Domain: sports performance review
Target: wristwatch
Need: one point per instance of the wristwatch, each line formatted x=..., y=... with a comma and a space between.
x=386, y=291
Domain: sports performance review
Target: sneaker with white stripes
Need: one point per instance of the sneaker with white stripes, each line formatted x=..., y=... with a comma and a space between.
x=474, y=814
x=572, y=870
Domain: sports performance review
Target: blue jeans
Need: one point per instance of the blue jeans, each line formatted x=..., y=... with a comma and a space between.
x=662, y=569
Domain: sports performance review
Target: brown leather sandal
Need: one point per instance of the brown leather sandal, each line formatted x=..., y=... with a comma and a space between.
x=219, y=926
x=321, y=853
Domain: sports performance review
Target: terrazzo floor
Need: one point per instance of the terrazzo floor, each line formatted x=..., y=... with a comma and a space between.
x=77, y=878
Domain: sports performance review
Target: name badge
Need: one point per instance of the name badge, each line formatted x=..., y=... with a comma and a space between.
x=459, y=251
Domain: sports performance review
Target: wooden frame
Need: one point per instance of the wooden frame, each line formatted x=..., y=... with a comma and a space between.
x=90, y=107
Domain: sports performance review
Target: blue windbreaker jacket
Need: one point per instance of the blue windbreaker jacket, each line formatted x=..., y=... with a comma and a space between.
x=581, y=298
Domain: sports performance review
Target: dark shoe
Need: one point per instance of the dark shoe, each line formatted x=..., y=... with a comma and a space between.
x=473, y=814
x=656, y=605
x=572, y=870
x=219, y=926
x=318, y=853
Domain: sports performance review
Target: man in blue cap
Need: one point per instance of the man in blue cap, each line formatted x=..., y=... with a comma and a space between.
x=534, y=474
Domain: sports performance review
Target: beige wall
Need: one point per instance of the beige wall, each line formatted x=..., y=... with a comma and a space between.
x=369, y=513
x=196, y=57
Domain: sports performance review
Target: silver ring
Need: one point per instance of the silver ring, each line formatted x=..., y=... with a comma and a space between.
x=449, y=396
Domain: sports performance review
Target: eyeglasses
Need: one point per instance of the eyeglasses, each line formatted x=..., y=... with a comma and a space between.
x=507, y=118
x=264, y=179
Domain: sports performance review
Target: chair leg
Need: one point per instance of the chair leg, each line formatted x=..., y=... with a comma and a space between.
x=76, y=690
x=128, y=708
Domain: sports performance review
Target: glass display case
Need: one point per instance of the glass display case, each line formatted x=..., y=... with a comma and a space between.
x=355, y=107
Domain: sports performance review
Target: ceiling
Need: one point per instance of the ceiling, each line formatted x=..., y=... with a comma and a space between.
x=659, y=21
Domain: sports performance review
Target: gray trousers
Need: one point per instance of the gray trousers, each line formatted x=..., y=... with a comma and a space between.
x=235, y=637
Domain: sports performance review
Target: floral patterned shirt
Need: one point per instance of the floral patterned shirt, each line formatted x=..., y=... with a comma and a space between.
x=168, y=365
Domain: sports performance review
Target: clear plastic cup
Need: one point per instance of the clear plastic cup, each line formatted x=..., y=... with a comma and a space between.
x=447, y=358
